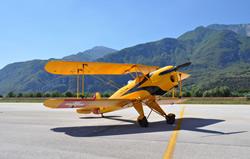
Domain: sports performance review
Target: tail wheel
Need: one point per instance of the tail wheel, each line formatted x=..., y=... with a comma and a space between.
x=170, y=118
x=143, y=122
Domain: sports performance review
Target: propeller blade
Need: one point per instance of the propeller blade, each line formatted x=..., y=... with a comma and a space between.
x=180, y=86
x=183, y=65
x=180, y=77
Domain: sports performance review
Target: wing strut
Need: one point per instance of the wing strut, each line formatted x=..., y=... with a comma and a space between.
x=180, y=84
x=173, y=92
x=82, y=86
x=78, y=81
x=149, y=113
x=77, y=86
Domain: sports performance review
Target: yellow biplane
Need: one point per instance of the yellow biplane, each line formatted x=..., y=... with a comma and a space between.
x=149, y=81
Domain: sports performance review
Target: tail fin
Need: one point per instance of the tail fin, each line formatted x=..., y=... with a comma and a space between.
x=97, y=95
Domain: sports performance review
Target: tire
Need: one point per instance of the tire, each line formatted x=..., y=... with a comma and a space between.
x=170, y=118
x=143, y=122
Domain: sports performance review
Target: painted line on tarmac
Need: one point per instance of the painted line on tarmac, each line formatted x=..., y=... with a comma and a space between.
x=172, y=142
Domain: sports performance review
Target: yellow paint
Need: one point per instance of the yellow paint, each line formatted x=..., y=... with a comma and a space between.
x=142, y=88
x=171, y=145
x=95, y=68
x=173, y=92
x=53, y=103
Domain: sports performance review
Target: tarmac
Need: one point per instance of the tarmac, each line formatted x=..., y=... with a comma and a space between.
x=201, y=131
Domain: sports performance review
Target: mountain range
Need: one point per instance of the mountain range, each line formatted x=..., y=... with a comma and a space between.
x=90, y=54
x=220, y=56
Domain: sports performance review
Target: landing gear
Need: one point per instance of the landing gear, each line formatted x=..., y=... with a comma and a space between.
x=153, y=105
x=143, y=122
x=102, y=115
x=170, y=118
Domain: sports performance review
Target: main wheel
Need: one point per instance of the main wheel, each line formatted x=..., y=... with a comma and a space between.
x=143, y=122
x=170, y=118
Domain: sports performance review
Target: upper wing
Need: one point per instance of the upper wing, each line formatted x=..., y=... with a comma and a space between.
x=85, y=103
x=95, y=68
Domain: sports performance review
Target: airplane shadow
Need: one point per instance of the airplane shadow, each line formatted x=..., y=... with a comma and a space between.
x=190, y=124
x=97, y=117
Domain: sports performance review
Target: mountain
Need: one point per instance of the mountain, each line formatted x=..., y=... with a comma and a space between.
x=90, y=54
x=242, y=29
x=30, y=76
x=164, y=52
x=220, y=57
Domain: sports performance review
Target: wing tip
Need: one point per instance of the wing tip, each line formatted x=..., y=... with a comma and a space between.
x=51, y=103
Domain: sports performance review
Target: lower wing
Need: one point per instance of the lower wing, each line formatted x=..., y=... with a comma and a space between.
x=86, y=103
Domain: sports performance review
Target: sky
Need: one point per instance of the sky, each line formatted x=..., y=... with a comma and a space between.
x=44, y=29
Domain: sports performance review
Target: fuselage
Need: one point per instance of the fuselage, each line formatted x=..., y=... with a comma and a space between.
x=157, y=82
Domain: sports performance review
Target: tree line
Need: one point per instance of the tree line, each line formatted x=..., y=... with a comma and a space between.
x=48, y=94
x=222, y=91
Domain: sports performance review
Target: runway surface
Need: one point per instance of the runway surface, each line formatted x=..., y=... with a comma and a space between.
x=206, y=131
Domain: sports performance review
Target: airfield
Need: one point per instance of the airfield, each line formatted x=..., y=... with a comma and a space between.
x=201, y=131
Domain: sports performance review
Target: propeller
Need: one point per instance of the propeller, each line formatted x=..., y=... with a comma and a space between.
x=179, y=76
x=175, y=68
x=180, y=85
x=182, y=65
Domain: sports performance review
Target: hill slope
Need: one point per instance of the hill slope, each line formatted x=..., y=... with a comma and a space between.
x=30, y=76
x=242, y=29
x=219, y=57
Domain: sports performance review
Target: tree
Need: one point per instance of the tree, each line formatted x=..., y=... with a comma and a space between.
x=20, y=95
x=39, y=94
x=168, y=94
x=107, y=94
x=56, y=94
x=30, y=95
x=186, y=94
x=225, y=91
x=248, y=96
x=236, y=94
x=69, y=94
x=207, y=93
x=218, y=92
x=47, y=95
x=196, y=92
x=11, y=95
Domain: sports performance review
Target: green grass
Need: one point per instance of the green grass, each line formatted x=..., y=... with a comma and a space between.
x=217, y=100
x=22, y=100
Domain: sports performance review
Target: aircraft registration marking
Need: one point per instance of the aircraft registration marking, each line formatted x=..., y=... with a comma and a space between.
x=75, y=104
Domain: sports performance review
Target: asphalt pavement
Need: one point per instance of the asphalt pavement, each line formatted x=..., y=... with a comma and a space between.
x=205, y=131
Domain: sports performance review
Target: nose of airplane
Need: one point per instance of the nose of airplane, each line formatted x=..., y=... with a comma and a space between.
x=181, y=76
